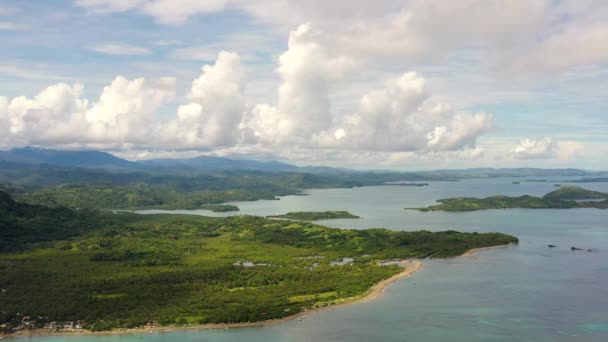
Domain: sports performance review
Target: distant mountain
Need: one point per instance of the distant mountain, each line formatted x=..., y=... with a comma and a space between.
x=206, y=163
x=104, y=160
x=84, y=159
x=513, y=172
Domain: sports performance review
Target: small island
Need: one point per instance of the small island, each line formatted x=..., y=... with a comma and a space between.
x=220, y=208
x=566, y=197
x=315, y=215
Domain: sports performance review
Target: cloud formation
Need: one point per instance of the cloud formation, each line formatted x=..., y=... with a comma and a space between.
x=401, y=116
x=522, y=36
x=546, y=148
x=120, y=49
x=167, y=12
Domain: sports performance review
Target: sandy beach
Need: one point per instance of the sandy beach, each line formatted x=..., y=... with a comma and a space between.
x=471, y=253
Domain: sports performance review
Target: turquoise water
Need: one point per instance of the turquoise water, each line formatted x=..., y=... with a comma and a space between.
x=526, y=292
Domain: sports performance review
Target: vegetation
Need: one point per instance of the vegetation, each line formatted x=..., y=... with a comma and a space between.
x=125, y=270
x=315, y=215
x=574, y=192
x=144, y=196
x=220, y=208
x=553, y=200
x=75, y=187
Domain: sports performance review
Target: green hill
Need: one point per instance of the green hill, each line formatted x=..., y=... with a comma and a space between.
x=575, y=192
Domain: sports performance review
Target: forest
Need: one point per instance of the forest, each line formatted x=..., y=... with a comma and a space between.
x=125, y=270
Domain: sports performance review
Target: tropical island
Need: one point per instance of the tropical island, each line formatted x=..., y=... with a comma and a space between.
x=566, y=197
x=315, y=215
x=100, y=270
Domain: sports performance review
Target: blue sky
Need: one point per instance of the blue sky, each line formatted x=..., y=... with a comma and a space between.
x=389, y=84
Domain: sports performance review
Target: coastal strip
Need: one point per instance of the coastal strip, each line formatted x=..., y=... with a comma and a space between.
x=471, y=252
x=410, y=266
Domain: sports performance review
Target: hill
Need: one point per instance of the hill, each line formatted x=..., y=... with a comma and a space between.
x=575, y=193
x=85, y=159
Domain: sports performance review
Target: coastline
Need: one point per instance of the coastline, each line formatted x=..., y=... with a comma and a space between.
x=410, y=266
x=471, y=252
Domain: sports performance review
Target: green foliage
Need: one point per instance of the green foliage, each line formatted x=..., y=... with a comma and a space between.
x=124, y=270
x=575, y=192
x=22, y=224
x=315, y=215
x=220, y=208
x=557, y=199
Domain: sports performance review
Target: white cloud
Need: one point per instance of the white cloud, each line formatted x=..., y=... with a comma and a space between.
x=120, y=49
x=4, y=123
x=59, y=116
x=546, y=148
x=174, y=12
x=535, y=149
x=303, y=108
x=216, y=108
x=167, y=12
x=401, y=117
x=109, y=5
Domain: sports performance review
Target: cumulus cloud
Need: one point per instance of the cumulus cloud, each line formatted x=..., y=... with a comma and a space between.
x=535, y=149
x=216, y=108
x=120, y=49
x=303, y=107
x=546, y=148
x=401, y=116
x=59, y=116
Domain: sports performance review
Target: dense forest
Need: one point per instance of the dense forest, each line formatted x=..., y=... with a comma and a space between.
x=124, y=270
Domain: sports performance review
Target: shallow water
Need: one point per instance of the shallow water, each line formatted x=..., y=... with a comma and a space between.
x=527, y=292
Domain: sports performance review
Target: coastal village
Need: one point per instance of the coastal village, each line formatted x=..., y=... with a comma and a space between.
x=25, y=322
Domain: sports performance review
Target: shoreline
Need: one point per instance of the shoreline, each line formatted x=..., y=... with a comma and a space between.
x=471, y=252
x=410, y=266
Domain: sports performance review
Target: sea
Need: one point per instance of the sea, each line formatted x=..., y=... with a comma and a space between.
x=523, y=292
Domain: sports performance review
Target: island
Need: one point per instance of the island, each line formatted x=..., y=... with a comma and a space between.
x=566, y=197
x=64, y=270
x=315, y=215
x=220, y=208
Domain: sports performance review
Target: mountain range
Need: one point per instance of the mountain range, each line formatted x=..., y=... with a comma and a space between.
x=91, y=159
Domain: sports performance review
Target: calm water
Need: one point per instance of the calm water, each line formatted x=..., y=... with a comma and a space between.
x=519, y=293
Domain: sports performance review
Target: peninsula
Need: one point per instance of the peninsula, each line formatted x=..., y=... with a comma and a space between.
x=315, y=215
x=102, y=271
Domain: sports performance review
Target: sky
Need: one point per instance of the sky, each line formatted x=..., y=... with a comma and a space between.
x=376, y=84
